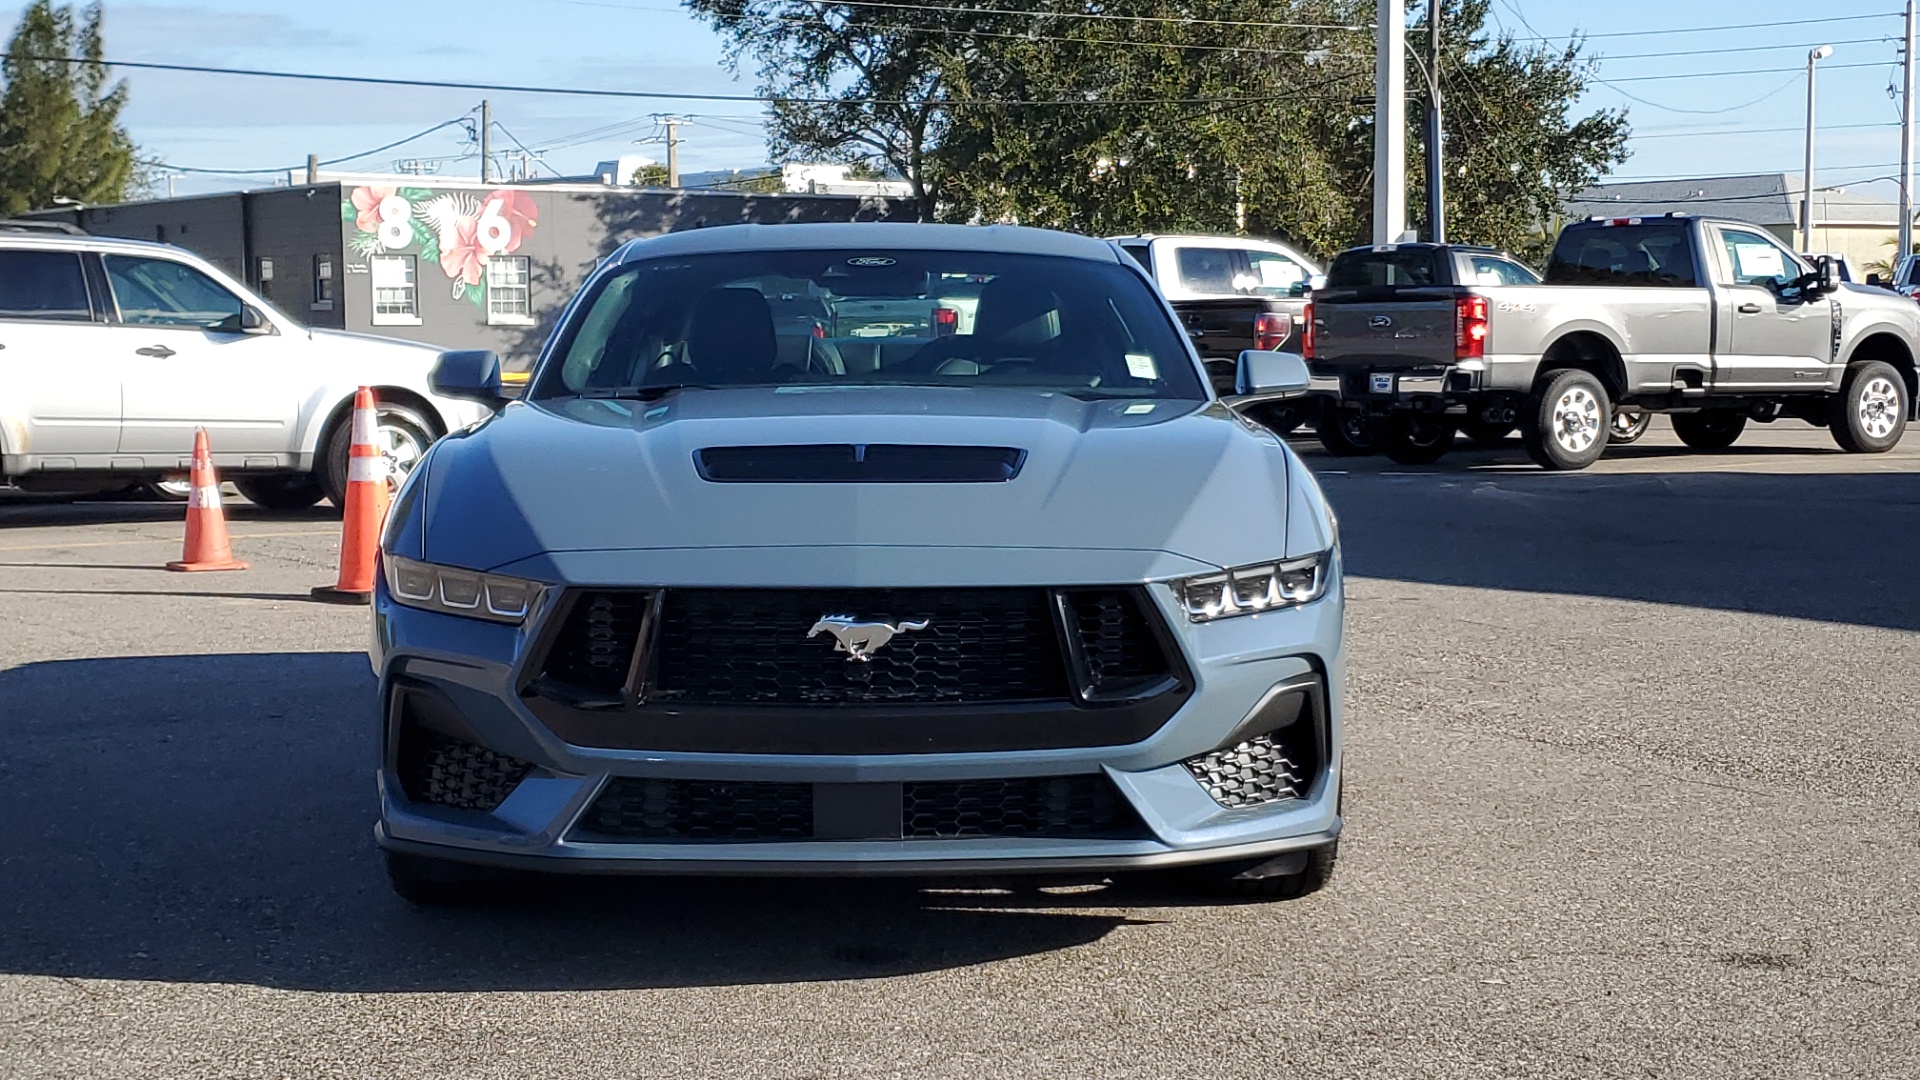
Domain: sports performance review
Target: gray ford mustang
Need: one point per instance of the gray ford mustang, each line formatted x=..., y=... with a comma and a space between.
x=862, y=549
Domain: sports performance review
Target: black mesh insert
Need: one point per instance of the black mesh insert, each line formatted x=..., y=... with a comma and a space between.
x=1268, y=768
x=594, y=648
x=1046, y=806
x=444, y=771
x=752, y=647
x=706, y=810
x=1118, y=644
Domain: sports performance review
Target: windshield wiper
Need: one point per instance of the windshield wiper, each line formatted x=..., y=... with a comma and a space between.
x=639, y=393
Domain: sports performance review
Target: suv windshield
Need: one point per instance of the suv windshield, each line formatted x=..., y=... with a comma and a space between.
x=872, y=318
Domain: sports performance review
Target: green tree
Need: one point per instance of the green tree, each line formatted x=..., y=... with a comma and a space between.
x=650, y=175
x=60, y=133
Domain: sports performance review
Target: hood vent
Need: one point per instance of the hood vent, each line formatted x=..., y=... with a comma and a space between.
x=846, y=463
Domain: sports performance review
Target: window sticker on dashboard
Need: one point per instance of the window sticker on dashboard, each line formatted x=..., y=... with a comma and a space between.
x=1140, y=366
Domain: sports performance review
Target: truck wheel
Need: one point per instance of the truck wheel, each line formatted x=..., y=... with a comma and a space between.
x=1714, y=429
x=1413, y=439
x=1564, y=423
x=1873, y=408
x=402, y=437
x=1347, y=432
x=1627, y=427
x=283, y=492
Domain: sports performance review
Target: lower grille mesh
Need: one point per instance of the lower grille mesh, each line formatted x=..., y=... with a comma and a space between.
x=1057, y=806
x=637, y=809
x=447, y=772
x=1259, y=771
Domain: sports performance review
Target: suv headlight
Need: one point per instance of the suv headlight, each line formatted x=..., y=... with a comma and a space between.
x=453, y=591
x=1249, y=590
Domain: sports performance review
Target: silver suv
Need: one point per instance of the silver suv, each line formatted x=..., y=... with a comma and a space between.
x=113, y=351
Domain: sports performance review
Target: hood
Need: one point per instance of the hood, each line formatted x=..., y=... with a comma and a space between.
x=1186, y=478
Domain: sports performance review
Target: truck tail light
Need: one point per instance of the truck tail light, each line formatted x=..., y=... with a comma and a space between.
x=1270, y=329
x=946, y=321
x=1306, y=332
x=1470, y=328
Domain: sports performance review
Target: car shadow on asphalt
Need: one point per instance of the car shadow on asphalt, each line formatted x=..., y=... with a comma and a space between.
x=1830, y=547
x=207, y=819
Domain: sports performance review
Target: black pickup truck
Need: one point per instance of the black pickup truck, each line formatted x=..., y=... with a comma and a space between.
x=1233, y=293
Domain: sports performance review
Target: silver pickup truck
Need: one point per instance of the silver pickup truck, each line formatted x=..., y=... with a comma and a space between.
x=1712, y=322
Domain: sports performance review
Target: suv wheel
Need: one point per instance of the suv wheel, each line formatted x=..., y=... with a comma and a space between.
x=1716, y=429
x=1628, y=425
x=1564, y=423
x=1348, y=432
x=402, y=437
x=1873, y=409
x=283, y=492
x=1414, y=439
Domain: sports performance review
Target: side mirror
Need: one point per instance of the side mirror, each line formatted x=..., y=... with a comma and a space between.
x=1316, y=282
x=1874, y=280
x=473, y=374
x=1264, y=374
x=249, y=320
x=1825, y=275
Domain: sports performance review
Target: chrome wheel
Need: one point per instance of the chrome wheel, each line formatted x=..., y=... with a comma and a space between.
x=1879, y=407
x=400, y=448
x=1576, y=420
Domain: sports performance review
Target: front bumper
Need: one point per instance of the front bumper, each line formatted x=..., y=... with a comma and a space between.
x=1237, y=666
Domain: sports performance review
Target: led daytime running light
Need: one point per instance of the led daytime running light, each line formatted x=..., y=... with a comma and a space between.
x=1250, y=590
x=453, y=591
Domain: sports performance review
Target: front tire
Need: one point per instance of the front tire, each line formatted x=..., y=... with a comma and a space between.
x=1564, y=423
x=1414, y=439
x=402, y=436
x=1872, y=410
x=1226, y=881
x=1347, y=432
x=281, y=492
x=1709, y=430
x=430, y=883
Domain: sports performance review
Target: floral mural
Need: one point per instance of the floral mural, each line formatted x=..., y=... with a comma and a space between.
x=460, y=230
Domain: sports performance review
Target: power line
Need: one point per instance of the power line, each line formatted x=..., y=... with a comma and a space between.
x=955, y=9
x=330, y=161
x=1737, y=49
x=1713, y=132
x=1538, y=36
x=1744, y=71
x=1775, y=92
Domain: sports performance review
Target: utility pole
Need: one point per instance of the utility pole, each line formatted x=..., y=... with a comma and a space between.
x=486, y=141
x=313, y=168
x=1436, y=158
x=1814, y=56
x=673, y=150
x=1906, y=143
x=1390, y=122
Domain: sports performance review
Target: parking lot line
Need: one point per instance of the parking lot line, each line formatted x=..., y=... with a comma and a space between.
x=161, y=540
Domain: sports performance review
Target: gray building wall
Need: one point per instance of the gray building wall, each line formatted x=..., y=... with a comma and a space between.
x=562, y=231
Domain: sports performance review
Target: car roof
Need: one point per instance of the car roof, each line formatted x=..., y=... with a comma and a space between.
x=889, y=235
x=91, y=242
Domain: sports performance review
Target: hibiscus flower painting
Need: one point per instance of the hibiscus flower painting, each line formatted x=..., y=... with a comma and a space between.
x=457, y=229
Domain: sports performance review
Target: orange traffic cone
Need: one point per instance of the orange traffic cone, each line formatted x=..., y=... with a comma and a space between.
x=207, y=545
x=365, y=512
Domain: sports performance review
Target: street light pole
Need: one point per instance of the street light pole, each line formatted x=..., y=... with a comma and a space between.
x=1390, y=122
x=1814, y=56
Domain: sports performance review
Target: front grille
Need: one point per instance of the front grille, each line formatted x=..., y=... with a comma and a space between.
x=1057, y=806
x=635, y=809
x=763, y=647
x=1267, y=769
x=444, y=771
x=594, y=647
x=1116, y=641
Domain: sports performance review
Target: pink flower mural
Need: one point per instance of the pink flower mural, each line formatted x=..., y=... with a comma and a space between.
x=457, y=229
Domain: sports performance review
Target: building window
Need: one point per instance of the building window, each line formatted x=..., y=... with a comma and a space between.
x=263, y=274
x=396, y=300
x=323, y=283
x=509, y=292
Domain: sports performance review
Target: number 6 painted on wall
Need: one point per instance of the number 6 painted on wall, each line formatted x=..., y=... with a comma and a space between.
x=493, y=232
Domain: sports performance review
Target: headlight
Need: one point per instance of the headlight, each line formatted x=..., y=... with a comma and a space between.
x=1249, y=590
x=452, y=591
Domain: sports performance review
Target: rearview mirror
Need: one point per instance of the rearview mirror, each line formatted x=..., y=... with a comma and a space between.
x=473, y=374
x=1264, y=374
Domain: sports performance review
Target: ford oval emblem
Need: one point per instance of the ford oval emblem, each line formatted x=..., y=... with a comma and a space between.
x=870, y=260
x=1379, y=322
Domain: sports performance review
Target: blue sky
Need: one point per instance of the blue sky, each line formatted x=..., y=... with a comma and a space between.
x=1690, y=126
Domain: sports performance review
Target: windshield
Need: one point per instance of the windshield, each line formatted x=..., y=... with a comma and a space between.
x=872, y=318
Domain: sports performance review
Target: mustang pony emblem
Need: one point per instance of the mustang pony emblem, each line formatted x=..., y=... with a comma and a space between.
x=860, y=640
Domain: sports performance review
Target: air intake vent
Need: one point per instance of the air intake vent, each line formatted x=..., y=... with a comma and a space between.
x=843, y=463
x=594, y=649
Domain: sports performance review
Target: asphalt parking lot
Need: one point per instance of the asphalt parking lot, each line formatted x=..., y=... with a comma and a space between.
x=1634, y=767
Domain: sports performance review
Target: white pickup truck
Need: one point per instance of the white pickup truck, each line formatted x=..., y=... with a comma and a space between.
x=113, y=351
